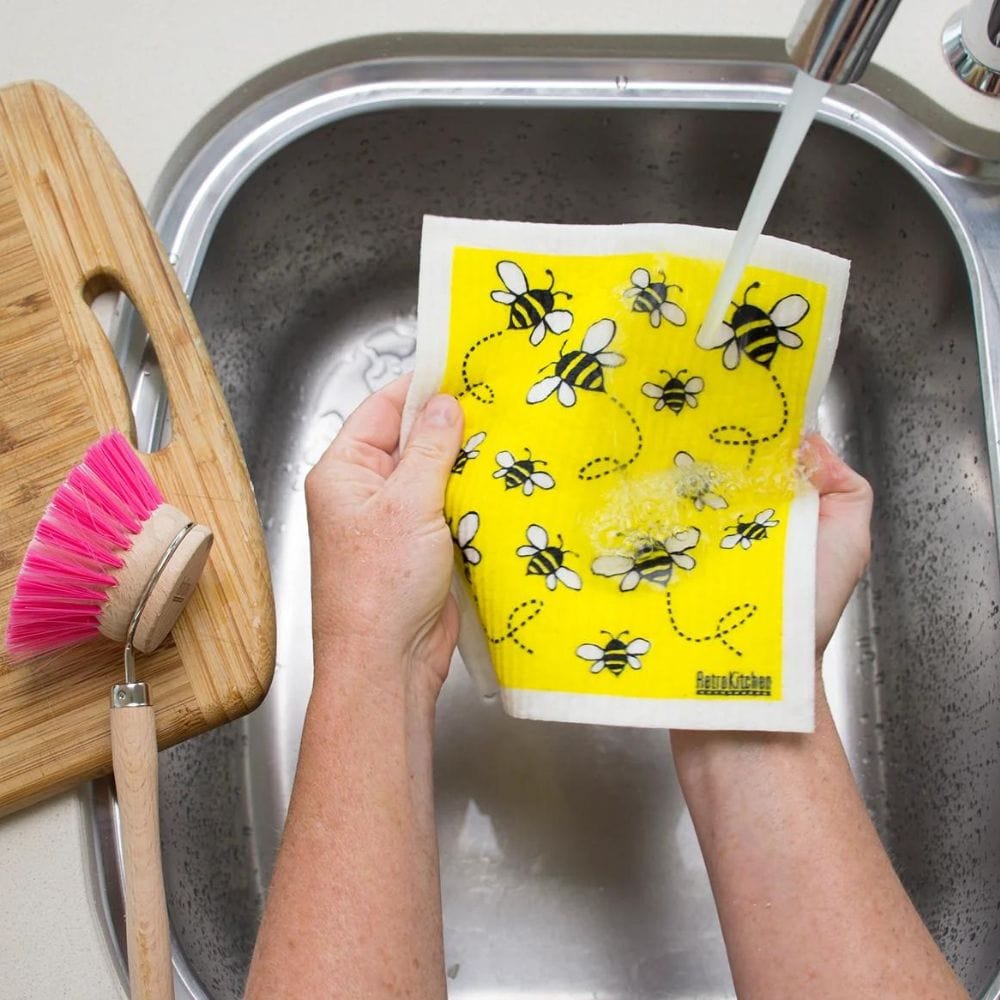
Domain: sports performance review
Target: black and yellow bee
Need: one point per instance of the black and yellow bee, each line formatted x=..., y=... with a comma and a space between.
x=696, y=481
x=675, y=392
x=615, y=655
x=523, y=473
x=583, y=369
x=747, y=532
x=653, y=560
x=548, y=560
x=651, y=297
x=756, y=333
x=531, y=307
x=468, y=452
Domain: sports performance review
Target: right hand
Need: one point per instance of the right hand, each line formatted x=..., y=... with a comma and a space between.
x=843, y=542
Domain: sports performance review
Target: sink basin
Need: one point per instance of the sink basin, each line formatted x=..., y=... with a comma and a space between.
x=569, y=863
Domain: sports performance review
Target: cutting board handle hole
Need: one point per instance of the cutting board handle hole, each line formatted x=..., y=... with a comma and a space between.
x=133, y=349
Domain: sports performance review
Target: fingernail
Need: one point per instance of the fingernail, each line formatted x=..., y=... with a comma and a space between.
x=442, y=411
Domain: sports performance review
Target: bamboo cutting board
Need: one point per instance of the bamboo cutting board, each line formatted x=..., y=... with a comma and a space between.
x=71, y=227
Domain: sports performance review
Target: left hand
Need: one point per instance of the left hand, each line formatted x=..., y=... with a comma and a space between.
x=381, y=551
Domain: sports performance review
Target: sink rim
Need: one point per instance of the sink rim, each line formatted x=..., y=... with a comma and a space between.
x=219, y=168
x=959, y=184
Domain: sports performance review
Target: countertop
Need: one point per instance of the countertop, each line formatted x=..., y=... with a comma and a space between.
x=148, y=74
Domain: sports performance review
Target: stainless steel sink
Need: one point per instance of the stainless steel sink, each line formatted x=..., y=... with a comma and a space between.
x=569, y=864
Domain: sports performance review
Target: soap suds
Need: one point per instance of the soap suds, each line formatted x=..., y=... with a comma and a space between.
x=660, y=504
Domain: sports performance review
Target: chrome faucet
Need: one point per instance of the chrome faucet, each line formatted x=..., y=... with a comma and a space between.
x=833, y=40
x=971, y=42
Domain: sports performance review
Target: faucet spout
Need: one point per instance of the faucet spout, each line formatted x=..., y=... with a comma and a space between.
x=833, y=40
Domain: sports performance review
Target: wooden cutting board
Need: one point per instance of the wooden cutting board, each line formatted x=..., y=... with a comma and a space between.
x=71, y=227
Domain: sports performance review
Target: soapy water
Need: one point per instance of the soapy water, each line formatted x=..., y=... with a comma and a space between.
x=803, y=103
x=661, y=504
x=379, y=359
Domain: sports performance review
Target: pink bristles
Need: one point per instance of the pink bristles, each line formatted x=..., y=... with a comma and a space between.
x=42, y=588
x=85, y=544
x=78, y=544
x=75, y=509
x=41, y=563
x=114, y=462
x=106, y=506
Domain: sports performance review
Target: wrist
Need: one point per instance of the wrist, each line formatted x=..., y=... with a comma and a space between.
x=350, y=669
x=701, y=754
x=365, y=712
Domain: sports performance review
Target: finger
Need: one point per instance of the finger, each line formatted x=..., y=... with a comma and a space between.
x=370, y=435
x=845, y=495
x=843, y=540
x=430, y=453
x=828, y=472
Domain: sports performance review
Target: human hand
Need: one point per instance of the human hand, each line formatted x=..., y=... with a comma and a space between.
x=381, y=551
x=843, y=546
x=843, y=542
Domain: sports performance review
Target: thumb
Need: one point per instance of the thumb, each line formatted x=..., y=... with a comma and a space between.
x=843, y=541
x=430, y=452
x=845, y=498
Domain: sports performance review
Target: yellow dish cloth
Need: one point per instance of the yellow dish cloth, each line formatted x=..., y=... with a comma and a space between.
x=634, y=541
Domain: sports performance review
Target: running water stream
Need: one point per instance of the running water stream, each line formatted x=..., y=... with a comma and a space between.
x=797, y=116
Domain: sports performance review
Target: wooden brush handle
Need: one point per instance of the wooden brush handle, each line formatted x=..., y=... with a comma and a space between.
x=133, y=752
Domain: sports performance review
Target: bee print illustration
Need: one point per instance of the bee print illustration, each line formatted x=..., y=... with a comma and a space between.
x=756, y=333
x=744, y=533
x=696, y=483
x=468, y=525
x=651, y=297
x=615, y=655
x=582, y=369
x=653, y=561
x=523, y=472
x=531, y=307
x=468, y=452
x=547, y=560
x=675, y=393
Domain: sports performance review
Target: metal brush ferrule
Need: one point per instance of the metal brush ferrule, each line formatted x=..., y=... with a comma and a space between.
x=135, y=695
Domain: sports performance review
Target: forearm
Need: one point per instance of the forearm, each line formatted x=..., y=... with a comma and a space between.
x=807, y=898
x=354, y=907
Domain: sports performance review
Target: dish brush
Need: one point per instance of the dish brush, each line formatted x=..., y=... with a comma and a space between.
x=111, y=557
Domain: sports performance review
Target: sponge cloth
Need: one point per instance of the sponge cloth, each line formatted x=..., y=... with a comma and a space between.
x=634, y=541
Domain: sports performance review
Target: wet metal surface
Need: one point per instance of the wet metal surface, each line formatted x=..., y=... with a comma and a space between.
x=569, y=863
